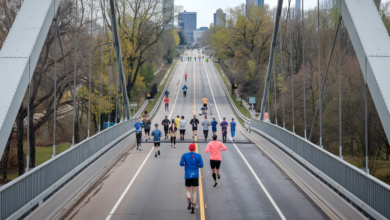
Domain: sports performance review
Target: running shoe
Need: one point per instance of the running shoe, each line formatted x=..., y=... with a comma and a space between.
x=215, y=184
x=155, y=155
x=137, y=147
x=171, y=145
x=189, y=205
x=159, y=153
x=193, y=210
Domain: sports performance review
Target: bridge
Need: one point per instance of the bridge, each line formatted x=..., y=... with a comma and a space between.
x=267, y=172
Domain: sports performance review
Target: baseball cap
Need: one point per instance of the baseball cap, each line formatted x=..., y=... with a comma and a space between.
x=156, y=124
x=232, y=118
x=192, y=147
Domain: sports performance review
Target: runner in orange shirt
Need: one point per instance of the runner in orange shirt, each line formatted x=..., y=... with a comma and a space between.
x=205, y=103
x=215, y=147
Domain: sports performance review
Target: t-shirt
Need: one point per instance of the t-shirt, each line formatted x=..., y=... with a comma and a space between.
x=204, y=100
x=224, y=125
x=138, y=126
x=183, y=124
x=206, y=124
x=215, y=148
x=177, y=120
x=166, y=100
x=147, y=123
x=233, y=125
x=194, y=122
x=185, y=75
x=185, y=88
x=156, y=134
x=191, y=162
x=166, y=92
x=214, y=125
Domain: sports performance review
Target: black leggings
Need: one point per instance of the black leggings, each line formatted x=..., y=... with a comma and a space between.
x=138, y=137
x=173, y=139
x=206, y=133
x=224, y=137
x=166, y=132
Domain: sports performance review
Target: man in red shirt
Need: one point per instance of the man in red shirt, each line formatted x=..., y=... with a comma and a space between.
x=185, y=77
x=166, y=100
x=215, y=147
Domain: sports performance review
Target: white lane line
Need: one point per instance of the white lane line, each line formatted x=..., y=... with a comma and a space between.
x=249, y=166
x=128, y=186
x=178, y=89
x=143, y=163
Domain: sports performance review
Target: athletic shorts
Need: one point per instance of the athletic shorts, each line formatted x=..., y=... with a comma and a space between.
x=182, y=132
x=194, y=129
x=147, y=131
x=192, y=182
x=215, y=164
x=157, y=144
x=233, y=132
x=205, y=105
x=214, y=130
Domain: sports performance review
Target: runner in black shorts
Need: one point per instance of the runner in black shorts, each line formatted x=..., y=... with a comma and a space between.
x=194, y=122
x=215, y=147
x=191, y=162
x=182, y=128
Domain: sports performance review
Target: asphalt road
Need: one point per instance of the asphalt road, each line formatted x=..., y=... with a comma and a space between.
x=140, y=186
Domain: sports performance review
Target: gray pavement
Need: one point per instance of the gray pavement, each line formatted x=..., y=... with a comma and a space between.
x=157, y=184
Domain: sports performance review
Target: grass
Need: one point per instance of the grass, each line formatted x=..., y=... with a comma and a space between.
x=382, y=173
x=240, y=107
x=160, y=88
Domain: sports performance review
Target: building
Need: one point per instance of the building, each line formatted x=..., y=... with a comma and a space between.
x=297, y=4
x=168, y=11
x=219, y=18
x=257, y=3
x=203, y=28
x=197, y=35
x=187, y=23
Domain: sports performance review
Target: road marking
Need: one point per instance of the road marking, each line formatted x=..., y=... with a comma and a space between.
x=249, y=166
x=128, y=186
x=178, y=89
x=201, y=200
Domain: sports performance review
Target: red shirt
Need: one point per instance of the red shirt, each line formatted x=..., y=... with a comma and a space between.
x=166, y=100
x=215, y=148
x=185, y=75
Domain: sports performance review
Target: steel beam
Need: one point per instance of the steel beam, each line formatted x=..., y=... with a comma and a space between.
x=24, y=41
x=370, y=40
x=271, y=57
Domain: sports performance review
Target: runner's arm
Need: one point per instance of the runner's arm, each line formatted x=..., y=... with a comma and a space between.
x=200, y=162
x=207, y=148
x=223, y=147
x=182, y=161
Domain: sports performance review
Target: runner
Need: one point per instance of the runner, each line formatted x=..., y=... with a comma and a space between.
x=194, y=122
x=173, y=133
x=205, y=103
x=211, y=106
x=205, y=125
x=166, y=93
x=157, y=135
x=166, y=123
x=215, y=147
x=182, y=128
x=185, y=90
x=195, y=59
x=224, y=126
x=203, y=109
x=214, y=124
x=191, y=162
x=138, y=132
x=166, y=100
x=233, y=128
x=177, y=121
x=146, y=123
x=185, y=77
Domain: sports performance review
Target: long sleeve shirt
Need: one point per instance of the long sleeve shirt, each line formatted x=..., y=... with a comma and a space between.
x=215, y=148
x=191, y=162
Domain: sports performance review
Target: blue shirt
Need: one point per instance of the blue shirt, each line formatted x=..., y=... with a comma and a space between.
x=185, y=88
x=191, y=162
x=233, y=125
x=157, y=134
x=166, y=92
x=138, y=126
x=214, y=125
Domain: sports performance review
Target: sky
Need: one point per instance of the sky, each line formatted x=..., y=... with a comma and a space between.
x=206, y=8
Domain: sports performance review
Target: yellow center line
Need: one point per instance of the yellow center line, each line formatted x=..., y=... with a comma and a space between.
x=201, y=201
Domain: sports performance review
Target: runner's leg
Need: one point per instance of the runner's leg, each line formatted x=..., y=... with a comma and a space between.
x=194, y=189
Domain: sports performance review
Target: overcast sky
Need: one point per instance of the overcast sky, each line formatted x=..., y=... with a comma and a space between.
x=206, y=8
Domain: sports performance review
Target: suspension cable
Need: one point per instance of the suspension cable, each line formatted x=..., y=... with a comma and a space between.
x=292, y=77
x=365, y=117
x=55, y=81
x=90, y=70
x=101, y=76
x=28, y=116
x=304, y=64
x=319, y=67
x=75, y=73
x=341, y=148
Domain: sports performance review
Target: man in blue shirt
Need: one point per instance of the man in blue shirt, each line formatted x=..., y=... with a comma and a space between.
x=185, y=90
x=233, y=128
x=214, y=124
x=156, y=139
x=191, y=162
x=138, y=132
x=166, y=93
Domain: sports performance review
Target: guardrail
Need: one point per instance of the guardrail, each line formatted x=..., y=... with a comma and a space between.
x=239, y=114
x=162, y=92
x=361, y=189
x=25, y=193
x=139, y=112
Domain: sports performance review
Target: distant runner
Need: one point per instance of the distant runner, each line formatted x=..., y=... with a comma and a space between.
x=215, y=147
x=224, y=126
x=166, y=100
x=191, y=162
x=211, y=106
x=178, y=121
x=157, y=135
x=182, y=128
x=205, y=103
x=185, y=77
x=194, y=122
x=233, y=128
x=185, y=90
x=166, y=123
x=203, y=109
x=166, y=93
x=205, y=125
x=138, y=132
x=214, y=124
x=146, y=124
x=173, y=133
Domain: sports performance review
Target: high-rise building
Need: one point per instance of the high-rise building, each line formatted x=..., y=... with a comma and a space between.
x=297, y=4
x=197, y=35
x=187, y=23
x=219, y=18
x=168, y=11
x=203, y=28
x=255, y=2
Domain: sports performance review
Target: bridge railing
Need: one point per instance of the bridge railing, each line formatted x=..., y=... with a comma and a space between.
x=26, y=192
x=246, y=120
x=362, y=189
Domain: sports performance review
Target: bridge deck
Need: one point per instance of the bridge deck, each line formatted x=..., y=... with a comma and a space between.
x=158, y=191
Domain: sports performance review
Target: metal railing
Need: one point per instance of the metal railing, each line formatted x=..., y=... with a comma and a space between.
x=27, y=191
x=139, y=112
x=364, y=190
x=239, y=114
